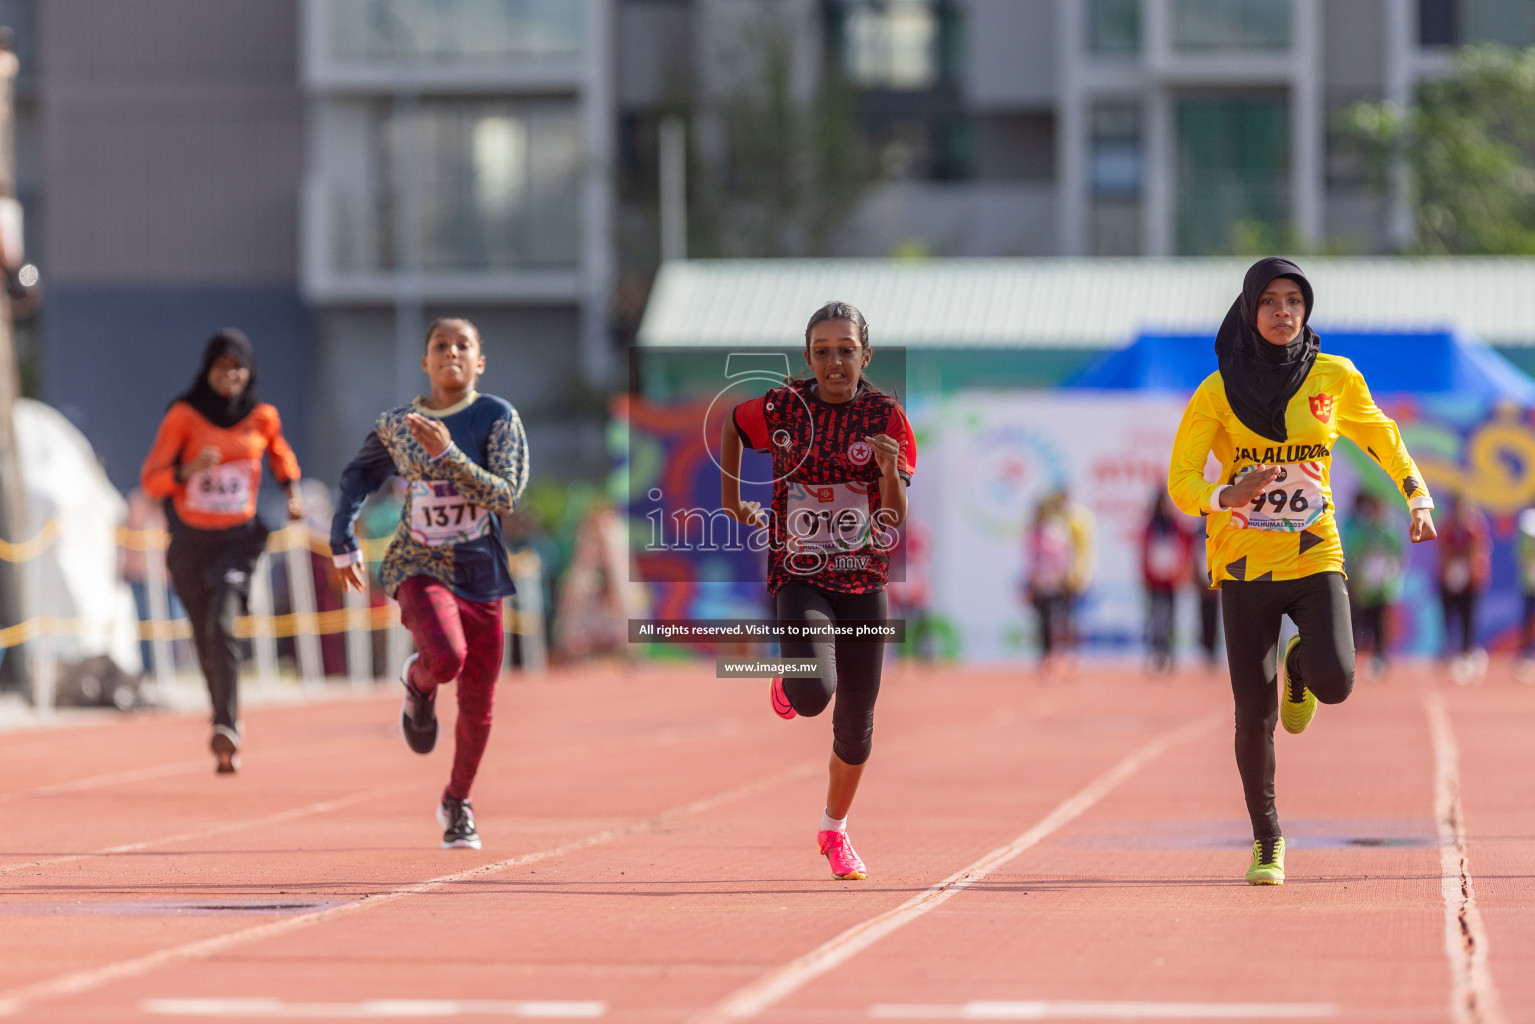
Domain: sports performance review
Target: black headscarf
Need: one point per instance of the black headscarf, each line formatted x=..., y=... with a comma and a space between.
x=1261, y=377
x=213, y=407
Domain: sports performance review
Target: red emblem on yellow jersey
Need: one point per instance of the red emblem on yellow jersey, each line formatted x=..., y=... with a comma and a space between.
x=1321, y=406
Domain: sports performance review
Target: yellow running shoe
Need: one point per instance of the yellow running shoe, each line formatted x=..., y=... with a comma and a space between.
x=1295, y=712
x=1267, y=867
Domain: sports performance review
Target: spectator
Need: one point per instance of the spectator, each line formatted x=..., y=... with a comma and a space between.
x=1059, y=554
x=1165, y=555
x=1524, y=668
x=1372, y=551
x=1209, y=597
x=1465, y=565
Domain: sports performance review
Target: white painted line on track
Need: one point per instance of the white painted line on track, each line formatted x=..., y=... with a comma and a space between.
x=77, y=982
x=395, y=1009
x=157, y=771
x=1039, y=1009
x=1473, y=997
x=321, y=807
x=750, y=1000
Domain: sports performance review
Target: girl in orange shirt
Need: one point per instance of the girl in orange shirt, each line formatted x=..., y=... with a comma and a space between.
x=206, y=466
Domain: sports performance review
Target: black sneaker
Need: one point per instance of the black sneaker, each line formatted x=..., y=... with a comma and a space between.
x=418, y=714
x=457, y=820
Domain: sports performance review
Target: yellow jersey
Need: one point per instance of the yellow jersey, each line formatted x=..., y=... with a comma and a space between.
x=1290, y=530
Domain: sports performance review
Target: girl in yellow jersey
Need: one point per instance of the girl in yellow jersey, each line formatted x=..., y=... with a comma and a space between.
x=1271, y=415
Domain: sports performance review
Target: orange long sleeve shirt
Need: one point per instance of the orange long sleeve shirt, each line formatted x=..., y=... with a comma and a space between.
x=223, y=495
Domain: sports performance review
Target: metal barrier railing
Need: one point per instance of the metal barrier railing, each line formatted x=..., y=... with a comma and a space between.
x=358, y=619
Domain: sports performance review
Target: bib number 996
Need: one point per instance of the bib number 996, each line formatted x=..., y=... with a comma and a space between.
x=1296, y=500
x=1281, y=500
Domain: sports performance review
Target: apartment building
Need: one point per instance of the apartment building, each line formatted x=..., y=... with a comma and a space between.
x=1087, y=127
x=457, y=162
x=331, y=175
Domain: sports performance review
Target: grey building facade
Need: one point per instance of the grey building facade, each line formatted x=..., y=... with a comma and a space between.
x=331, y=175
x=1085, y=127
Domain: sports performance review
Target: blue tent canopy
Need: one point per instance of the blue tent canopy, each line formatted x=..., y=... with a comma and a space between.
x=1418, y=362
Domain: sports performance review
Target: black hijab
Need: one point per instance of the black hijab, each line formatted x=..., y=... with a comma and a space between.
x=1261, y=377
x=210, y=405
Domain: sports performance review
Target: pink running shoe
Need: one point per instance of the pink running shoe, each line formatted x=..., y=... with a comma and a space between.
x=839, y=853
x=781, y=706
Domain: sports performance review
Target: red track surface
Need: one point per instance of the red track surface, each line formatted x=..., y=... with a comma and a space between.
x=649, y=846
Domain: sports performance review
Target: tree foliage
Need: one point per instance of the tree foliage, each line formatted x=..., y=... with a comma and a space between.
x=1468, y=148
x=785, y=170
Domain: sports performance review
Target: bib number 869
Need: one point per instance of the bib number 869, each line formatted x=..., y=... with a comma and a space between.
x=1294, y=501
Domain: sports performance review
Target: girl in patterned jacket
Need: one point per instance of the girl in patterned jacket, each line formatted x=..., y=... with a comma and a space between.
x=465, y=460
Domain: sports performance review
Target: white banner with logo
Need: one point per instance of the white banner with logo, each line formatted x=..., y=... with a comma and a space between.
x=988, y=459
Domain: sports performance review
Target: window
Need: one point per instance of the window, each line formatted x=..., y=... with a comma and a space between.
x=901, y=45
x=453, y=31
x=467, y=185
x=1233, y=171
x=1014, y=147
x=1508, y=22
x=1115, y=159
x=1206, y=25
x=1115, y=170
x=1114, y=27
x=1455, y=22
x=1438, y=22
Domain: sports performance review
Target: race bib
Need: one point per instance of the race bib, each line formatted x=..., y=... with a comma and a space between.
x=1292, y=501
x=828, y=518
x=224, y=489
x=1457, y=575
x=440, y=516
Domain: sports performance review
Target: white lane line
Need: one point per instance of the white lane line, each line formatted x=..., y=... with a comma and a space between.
x=158, y=771
x=76, y=982
x=414, y=1009
x=1473, y=997
x=1038, y=1009
x=750, y=1000
x=321, y=807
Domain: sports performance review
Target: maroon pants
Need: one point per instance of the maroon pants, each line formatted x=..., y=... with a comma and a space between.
x=456, y=639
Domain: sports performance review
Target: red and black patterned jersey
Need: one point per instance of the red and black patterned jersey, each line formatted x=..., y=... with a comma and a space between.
x=826, y=484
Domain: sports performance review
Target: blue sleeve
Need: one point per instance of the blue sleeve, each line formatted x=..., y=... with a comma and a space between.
x=498, y=485
x=363, y=475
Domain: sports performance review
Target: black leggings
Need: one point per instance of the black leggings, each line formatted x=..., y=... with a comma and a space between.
x=1459, y=610
x=1055, y=625
x=1324, y=663
x=1370, y=629
x=1161, y=611
x=212, y=572
x=855, y=679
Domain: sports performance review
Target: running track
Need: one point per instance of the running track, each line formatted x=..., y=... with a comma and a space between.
x=1039, y=851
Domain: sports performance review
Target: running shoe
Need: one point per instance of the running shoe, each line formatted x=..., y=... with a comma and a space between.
x=457, y=820
x=839, y=853
x=1267, y=867
x=781, y=706
x=226, y=750
x=418, y=714
x=1297, y=705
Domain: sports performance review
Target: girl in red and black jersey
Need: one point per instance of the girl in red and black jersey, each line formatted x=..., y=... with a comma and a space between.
x=842, y=454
